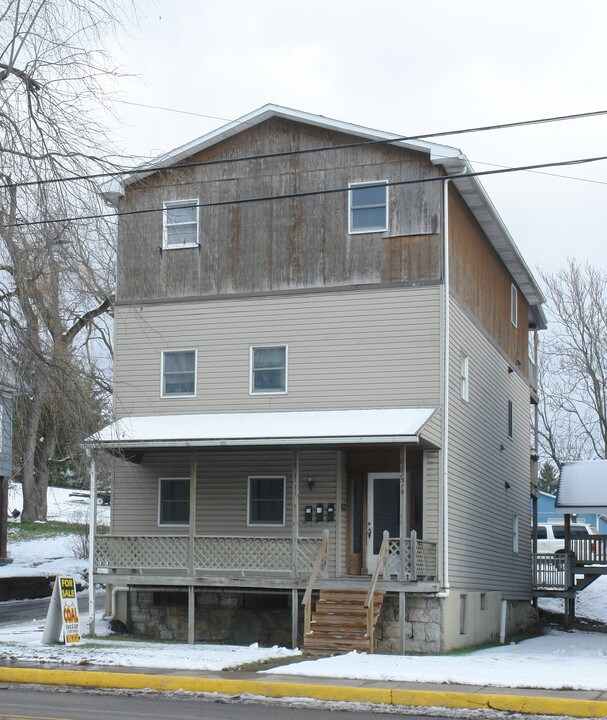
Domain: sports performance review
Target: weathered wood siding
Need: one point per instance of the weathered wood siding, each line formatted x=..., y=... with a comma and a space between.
x=222, y=477
x=481, y=282
x=281, y=244
x=363, y=348
x=482, y=459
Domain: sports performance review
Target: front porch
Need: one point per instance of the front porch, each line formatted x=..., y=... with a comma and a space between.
x=241, y=561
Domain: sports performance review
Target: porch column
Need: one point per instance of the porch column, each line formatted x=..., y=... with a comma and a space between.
x=191, y=536
x=295, y=515
x=92, y=529
x=403, y=511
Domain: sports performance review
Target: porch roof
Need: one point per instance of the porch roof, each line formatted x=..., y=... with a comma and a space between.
x=583, y=487
x=300, y=427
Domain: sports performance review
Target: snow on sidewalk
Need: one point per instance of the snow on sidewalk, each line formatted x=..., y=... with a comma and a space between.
x=558, y=660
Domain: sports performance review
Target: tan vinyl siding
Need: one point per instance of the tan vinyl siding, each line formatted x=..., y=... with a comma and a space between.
x=222, y=478
x=481, y=509
x=432, y=507
x=360, y=348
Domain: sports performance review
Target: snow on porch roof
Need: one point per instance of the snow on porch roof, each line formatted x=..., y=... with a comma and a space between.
x=304, y=427
x=583, y=487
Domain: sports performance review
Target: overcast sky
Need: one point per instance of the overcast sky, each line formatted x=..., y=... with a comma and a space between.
x=400, y=66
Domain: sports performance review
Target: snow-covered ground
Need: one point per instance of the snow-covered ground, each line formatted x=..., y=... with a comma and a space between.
x=576, y=660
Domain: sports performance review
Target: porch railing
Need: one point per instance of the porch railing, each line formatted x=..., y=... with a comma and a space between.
x=211, y=553
x=381, y=567
x=319, y=563
x=590, y=550
x=411, y=559
x=551, y=572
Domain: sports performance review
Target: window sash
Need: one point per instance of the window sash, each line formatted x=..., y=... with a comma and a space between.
x=266, y=500
x=179, y=373
x=181, y=224
x=174, y=501
x=368, y=207
x=269, y=369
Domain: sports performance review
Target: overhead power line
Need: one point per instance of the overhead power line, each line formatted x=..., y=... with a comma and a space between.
x=149, y=169
x=312, y=193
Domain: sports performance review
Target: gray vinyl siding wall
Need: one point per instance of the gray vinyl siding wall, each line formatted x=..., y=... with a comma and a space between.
x=222, y=477
x=6, y=432
x=481, y=509
x=355, y=348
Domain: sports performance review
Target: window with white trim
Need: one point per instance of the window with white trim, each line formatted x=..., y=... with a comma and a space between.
x=178, y=373
x=515, y=534
x=464, y=365
x=268, y=369
x=266, y=500
x=513, y=305
x=368, y=207
x=510, y=419
x=180, y=224
x=174, y=501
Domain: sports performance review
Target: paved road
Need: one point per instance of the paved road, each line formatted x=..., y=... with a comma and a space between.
x=18, y=611
x=34, y=703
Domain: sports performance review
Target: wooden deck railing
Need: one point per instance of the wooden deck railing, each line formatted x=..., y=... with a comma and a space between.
x=321, y=562
x=370, y=601
x=211, y=553
x=590, y=550
x=551, y=572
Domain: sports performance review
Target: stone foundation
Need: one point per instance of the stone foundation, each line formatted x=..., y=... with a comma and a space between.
x=522, y=617
x=220, y=617
x=422, y=625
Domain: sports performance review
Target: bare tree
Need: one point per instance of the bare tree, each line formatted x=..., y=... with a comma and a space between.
x=56, y=289
x=573, y=366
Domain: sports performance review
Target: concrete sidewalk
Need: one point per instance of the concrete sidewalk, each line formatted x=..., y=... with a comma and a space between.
x=574, y=703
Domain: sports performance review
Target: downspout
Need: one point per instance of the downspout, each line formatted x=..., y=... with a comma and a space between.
x=445, y=588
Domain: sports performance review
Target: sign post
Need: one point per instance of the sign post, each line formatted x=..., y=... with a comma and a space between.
x=62, y=618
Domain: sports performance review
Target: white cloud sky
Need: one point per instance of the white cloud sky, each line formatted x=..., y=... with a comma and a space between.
x=400, y=66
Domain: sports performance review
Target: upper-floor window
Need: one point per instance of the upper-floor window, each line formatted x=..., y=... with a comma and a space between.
x=179, y=373
x=515, y=534
x=510, y=418
x=464, y=377
x=180, y=224
x=268, y=369
x=174, y=501
x=266, y=500
x=513, y=305
x=368, y=210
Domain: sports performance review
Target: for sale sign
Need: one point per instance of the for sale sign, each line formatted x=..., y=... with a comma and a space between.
x=62, y=620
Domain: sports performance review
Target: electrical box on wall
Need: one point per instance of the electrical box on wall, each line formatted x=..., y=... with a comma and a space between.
x=308, y=513
x=331, y=512
x=320, y=512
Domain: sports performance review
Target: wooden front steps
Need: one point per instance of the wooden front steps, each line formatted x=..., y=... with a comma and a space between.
x=339, y=622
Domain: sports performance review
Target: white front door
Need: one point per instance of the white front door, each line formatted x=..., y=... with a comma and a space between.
x=383, y=512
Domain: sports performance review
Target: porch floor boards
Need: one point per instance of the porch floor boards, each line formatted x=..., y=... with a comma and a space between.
x=339, y=622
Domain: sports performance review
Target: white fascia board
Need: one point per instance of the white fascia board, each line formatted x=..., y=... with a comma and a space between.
x=265, y=113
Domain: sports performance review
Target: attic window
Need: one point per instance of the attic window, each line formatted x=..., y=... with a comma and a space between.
x=368, y=207
x=180, y=224
x=513, y=305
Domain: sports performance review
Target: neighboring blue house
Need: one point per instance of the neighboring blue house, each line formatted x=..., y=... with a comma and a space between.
x=547, y=513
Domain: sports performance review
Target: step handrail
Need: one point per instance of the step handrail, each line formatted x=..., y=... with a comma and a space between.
x=369, y=602
x=307, y=598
